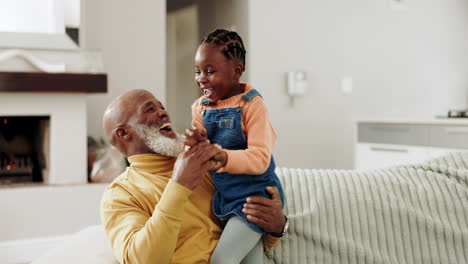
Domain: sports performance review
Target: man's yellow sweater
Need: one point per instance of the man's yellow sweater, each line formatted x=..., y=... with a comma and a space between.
x=148, y=218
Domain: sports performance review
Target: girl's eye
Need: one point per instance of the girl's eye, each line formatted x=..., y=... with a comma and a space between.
x=210, y=72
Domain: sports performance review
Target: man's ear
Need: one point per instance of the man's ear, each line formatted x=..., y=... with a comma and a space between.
x=122, y=134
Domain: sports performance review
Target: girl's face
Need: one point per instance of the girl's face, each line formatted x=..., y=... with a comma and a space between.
x=215, y=75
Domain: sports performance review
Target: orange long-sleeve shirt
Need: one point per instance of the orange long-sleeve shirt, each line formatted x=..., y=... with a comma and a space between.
x=257, y=129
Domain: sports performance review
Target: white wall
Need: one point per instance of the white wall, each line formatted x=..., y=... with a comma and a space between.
x=405, y=64
x=132, y=37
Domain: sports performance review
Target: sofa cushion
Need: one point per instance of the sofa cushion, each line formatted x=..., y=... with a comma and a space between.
x=87, y=246
x=415, y=213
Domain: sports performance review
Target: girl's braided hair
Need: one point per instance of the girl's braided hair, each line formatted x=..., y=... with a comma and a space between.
x=231, y=43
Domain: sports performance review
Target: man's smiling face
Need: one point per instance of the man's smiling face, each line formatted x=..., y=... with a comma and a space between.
x=152, y=113
x=133, y=121
x=153, y=126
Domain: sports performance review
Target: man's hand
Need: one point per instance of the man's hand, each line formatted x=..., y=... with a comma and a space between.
x=192, y=164
x=266, y=213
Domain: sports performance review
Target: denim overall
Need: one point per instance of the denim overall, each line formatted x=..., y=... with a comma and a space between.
x=224, y=127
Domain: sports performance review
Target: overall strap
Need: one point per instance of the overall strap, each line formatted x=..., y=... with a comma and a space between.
x=250, y=95
x=205, y=101
x=247, y=97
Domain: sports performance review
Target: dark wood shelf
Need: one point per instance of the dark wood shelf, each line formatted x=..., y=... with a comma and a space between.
x=40, y=82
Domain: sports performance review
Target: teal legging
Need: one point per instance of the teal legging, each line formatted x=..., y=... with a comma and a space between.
x=238, y=244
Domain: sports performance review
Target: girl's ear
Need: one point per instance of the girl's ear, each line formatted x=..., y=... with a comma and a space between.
x=238, y=70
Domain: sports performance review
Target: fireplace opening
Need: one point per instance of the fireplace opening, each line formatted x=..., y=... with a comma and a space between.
x=24, y=147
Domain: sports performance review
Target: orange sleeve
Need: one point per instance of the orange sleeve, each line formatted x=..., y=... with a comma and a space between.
x=261, y=138
x=197, y=109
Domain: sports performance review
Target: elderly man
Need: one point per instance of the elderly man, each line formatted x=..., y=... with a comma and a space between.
x=159, y=209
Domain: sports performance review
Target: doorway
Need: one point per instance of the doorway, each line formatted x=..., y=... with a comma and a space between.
x=182, y=41
x=187, y=22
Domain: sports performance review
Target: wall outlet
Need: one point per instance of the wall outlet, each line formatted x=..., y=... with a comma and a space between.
x=347, y=85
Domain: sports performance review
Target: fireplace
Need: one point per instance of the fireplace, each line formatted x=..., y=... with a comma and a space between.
x=54, y=106
x=24, y=149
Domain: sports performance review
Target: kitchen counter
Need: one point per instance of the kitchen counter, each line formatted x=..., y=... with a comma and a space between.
x=435, y=121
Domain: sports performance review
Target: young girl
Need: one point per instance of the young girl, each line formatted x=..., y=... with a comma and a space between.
x=235, y=117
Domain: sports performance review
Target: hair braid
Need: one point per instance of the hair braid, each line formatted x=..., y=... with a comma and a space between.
x=231, y=43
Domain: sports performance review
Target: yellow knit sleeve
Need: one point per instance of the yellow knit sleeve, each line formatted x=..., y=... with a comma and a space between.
x=136, y=236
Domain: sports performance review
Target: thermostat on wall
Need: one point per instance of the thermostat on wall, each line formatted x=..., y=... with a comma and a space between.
x=297, y=83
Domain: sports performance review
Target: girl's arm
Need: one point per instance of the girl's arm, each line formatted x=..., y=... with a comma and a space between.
x=261, y=138
x=197, y=119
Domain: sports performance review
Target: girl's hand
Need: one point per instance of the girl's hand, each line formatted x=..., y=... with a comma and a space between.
x=220, y=159
x=193, y=136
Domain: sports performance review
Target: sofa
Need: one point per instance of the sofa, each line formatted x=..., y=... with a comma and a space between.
x=414, y=213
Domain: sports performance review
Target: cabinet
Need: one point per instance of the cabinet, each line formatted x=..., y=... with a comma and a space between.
x=386, y=143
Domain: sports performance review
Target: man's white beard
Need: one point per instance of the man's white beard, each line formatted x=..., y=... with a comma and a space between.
x=169, y=147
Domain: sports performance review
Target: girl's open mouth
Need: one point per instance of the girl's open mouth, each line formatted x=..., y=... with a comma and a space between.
x=208, y=92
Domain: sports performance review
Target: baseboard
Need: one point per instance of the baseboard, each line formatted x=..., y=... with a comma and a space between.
x=26, y=250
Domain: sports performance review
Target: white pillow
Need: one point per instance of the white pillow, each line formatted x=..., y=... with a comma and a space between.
x=87, y=246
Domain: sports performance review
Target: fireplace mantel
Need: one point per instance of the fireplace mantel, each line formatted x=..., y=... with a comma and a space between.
x=40, y=82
